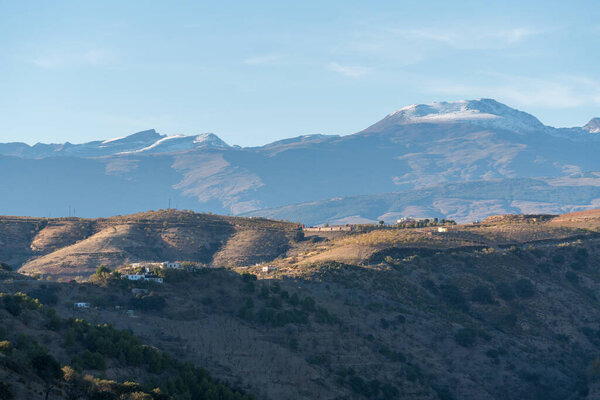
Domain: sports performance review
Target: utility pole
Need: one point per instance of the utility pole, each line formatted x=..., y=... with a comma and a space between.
x=169, y=204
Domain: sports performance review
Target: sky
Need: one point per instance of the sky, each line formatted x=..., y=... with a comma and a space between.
x=257, y=71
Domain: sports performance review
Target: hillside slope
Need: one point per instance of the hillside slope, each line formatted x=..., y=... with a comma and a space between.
x=73, y=248
x=505, y=309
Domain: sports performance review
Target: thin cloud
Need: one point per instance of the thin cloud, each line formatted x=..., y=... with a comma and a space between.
x=350, y=71
x=470, y=39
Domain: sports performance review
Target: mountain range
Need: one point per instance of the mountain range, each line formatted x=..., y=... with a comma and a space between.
x=463, y=160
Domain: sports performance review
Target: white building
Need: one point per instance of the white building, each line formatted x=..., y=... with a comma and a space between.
x=134, y=277
x=267, y=268
x=81, y=305
x=171, y=265
x=442, y=229
x=153, y=278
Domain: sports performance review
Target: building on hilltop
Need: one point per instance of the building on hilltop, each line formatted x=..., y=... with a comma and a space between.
x=171, y=265
x=145, y=277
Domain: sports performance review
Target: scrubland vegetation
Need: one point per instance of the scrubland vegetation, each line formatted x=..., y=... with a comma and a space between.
x=505, y=309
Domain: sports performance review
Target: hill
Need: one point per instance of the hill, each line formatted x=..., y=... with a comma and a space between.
x=45, y=356
x=69, y=248
x=428, y=152
x=502, y=309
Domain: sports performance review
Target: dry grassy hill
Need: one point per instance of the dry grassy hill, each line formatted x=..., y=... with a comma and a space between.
x=72, y=248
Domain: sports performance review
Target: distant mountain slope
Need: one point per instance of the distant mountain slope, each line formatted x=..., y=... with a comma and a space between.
x=417, y=147
x=463, y=202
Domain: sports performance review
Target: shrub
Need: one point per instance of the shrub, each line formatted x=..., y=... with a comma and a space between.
x=454, y=297
x=5, y=347
x=465, y=337
x=150, y=301
x=298, y=236
x=505, y=291
x=524, y=288
x=102, y=269
x=248, y=277
x=572, y=277
x=294, y=299
x=309, y=304
x=45, y=295
x=89, y=360
x=482, y=294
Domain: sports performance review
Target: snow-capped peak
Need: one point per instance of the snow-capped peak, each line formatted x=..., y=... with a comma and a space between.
x=486, y=112
x=209, y=139
x=180, y=143
x=593, y=126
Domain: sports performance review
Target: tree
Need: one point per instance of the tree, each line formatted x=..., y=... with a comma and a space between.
x=77, y=386
x=381, y=223
x=102, y=269
x=48, y=369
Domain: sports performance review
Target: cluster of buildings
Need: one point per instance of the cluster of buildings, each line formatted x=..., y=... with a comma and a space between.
x=164, y=264
x=149, y=276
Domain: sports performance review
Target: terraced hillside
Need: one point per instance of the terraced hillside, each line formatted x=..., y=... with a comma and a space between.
x=69, y=248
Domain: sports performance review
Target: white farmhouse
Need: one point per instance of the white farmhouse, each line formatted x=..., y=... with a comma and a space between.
x=81, y=305
x=153, y=278
x=172, y=265
x=134, y=277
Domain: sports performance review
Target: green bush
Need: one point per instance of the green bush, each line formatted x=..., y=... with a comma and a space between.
x=453, y=297
x=146, y=302
x=572, y=277
x=524, y=288
x=505, y=291
x=46, y=295
x=482, y=294
x=89, y=360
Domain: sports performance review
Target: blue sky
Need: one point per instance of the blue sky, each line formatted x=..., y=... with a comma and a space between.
x=254, y=72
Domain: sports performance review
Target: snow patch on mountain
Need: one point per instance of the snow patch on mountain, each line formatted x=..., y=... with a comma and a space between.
x=593, y=126
x=482, y=112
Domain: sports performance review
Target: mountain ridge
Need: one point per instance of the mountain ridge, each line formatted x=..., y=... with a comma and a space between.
x=484, y=112
x=414, y=148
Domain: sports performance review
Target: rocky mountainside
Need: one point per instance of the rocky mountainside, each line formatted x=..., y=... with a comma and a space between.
x=419, y=147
